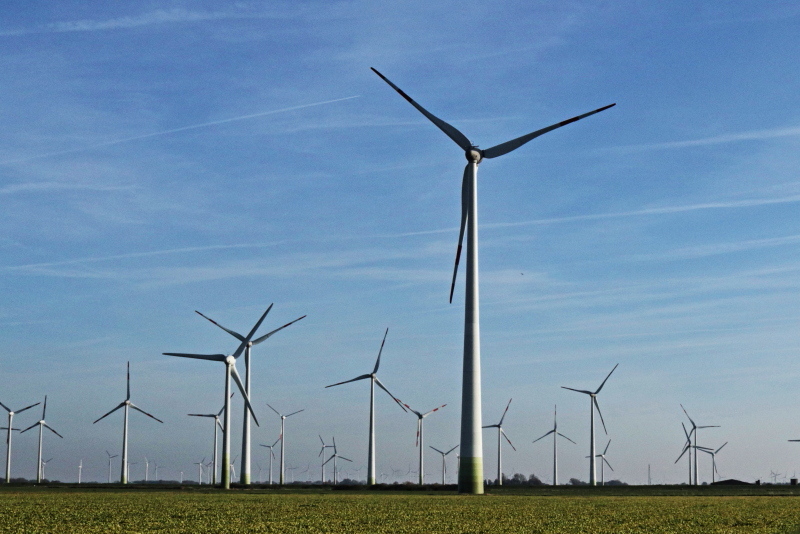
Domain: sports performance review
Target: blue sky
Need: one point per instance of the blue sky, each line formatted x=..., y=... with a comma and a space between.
x=166, y=157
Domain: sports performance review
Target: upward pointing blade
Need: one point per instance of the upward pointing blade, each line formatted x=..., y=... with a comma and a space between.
x=231, y=332
x=44, y=408
x=465, y=196
x=459, y=138
x=505, y=411
x=246, y=341
x=120, y=405
x=508, y=146
x=604, y=381
x=6, y=408
x=129, y=382
x=378, y=361
x=267, y=336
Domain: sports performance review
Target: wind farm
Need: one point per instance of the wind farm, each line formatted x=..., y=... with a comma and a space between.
x=261, y=166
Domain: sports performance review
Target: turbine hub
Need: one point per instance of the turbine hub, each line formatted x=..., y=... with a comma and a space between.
x=474, y=154
x=230, y=360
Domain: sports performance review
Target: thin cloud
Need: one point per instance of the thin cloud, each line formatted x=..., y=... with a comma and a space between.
x=174, y=130
x=755, y=135
x=44, y=187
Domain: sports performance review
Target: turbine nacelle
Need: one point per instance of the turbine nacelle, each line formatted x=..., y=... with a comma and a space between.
x=474, y=154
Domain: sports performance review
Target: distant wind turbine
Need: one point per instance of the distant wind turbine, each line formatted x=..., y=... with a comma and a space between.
x=334, y=457
x=80, y=470
x=373, y=379
x=695, y=428
x=687, y=447
x=283, y=437
x=42, y=426
x=109, y=464
x=11, y=428
x=44, y=464
x=271, y=457
x=245, y=470
x=592, y=405
x=555, y=433
x=421, y=437
x=470, y=479
x=603, y=463
x=217, y=424
x=321, y=453
x=200, y=471
x=127, y=404
x=444, y=464
x=713, y=454
x=501, y=434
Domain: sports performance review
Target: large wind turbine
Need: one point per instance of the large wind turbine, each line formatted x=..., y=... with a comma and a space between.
x=421, y=437
x=217, y=424
x=695, y=428
x=11, y=414
x=230, y=370
x=555, y=433
x=500, y=432
x=42, y=426
x=470, y=478
x=373, y=379
x=592, y=405
x=444, y=464
x=283, y=437
x=245, y=466
x=127, y=404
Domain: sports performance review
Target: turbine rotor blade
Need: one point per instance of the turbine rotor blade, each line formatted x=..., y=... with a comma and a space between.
x=6, y=408
x=144, y=412
x=607, y=445
x=212, y=321
x=274, y=410
x=378, y=361
x=600, y=414
x=508, y=146
x=565, y=437
x=451, y=132
x=451, y=450
x=437, y=450
x=504, y=412
x=51, y=429
x=380, y=384
x=235, y=375
x=298, y=411
x=33, y=425
x=508, y=440
x=210, y=357
x=578, y=390
x=129, y=382
x=608, y=464
x=120, y=405
x=430, y=412
x=716, y=451
x=343, y=458
x=537, y=439
x=687, y=415
x=466, y=193
x=25, y=408
x=604, y=381
x=44, y=408
x=362, y=377
x=267, y=336
x=685, y=448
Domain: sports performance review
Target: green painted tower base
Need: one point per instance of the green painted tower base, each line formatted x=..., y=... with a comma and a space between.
x=470, y=476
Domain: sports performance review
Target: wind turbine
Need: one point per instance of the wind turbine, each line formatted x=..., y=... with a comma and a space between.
x=555, y=433
x=444, y=464
x=127, y=404
x=44, y=464
x=42, y=426
x=592, y=405
x=109, y=464
x=470, y=478
x=373, y=379
x=283, y=436
x=334, y=457
x=500, y=432
x=200, y=471
x=11, y=414
x=695, y=428
x=321, y=452
x=603, y=463
x=687, y=447
x=146, y=469
x=271, y=457
x=420, y=436
x=80, y=470
x=713, y=454
x=217, y=424
x=230, y=370
x=245, y=470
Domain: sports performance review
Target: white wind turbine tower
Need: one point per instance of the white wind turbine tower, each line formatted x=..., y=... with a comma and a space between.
x=11, y=414
x=555, y=433
x=146, y=469
x=695, y=428
x=230, y=370
x=603, y=463
x=321, y=452
x=373, y=379
x=44, y=464
x=470, y=479
x=271, y=457
x=444, y=464
x=245, y=470
x=592, y=405
x=421, y=437
x=500, y=432
x=283, y=437
x=713, y=454
x=217, y=424
x=109, y=464
x=42, y=426
x=127, y=404
x=200, y=471
x=334, y=457
x=80, y=469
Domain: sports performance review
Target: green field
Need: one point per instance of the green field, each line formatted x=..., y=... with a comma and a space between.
x=45, y=510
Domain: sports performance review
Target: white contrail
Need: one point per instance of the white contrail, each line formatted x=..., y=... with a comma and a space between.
x=174, y=130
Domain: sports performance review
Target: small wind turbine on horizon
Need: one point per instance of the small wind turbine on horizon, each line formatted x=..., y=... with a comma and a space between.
x=283, y=437
x=110, y=457
x=230, y=371
x=217, y=424
x=501, y=434
x=444, y=464
x=470, y=479
x=373, y=379
x=42, y=425
x=713, y=454
x=555, y=433
x=245, y=466
x=420, y=442
x=271, y=457
x=44, y=464
x=592, y=405
x=695, y=428
x=80, y=470
x=334, y=457
x=321, y=452
x=200, y=470
x=11, y=428
x=127, y=404
x=603, y=463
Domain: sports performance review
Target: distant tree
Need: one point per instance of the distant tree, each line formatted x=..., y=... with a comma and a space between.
x=616, y=483
x=577, y=482
x=533, y=480
x=518, y=479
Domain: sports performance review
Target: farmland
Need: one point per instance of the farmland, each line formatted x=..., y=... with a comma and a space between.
x=26, y=509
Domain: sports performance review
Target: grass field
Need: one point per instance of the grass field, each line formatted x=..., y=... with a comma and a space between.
x=58, y=510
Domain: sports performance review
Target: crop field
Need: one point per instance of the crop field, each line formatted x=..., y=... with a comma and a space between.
x=76, y=510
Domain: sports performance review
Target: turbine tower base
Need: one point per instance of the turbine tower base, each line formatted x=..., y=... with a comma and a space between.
x=470, y=476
